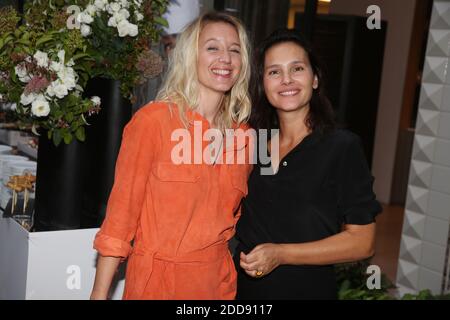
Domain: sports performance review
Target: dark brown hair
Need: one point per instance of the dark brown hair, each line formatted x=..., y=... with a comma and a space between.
x=264, y=116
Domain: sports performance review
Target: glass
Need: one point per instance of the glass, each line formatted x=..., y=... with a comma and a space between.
x=24, y=220
x=23, y=209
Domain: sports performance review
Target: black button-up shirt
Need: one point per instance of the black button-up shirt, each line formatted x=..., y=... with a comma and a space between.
x=323, y=183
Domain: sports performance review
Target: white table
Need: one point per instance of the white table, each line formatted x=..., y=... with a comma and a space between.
x=48, y=265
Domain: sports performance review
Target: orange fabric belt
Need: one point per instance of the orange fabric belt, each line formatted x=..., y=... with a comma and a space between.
x=210, y=254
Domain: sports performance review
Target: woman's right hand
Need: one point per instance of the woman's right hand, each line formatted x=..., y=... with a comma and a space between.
x=262, y=260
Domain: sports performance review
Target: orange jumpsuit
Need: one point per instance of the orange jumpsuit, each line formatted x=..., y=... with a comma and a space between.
x=180, y=216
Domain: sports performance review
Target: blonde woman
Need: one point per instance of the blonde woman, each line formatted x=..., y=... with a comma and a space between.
x=181, y=216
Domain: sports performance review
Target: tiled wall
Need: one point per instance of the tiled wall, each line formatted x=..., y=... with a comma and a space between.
x=424, y=250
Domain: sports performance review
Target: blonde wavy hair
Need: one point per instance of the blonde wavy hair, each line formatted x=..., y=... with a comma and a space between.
x=181, y=85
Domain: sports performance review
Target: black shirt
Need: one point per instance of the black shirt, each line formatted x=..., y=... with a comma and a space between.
x=323, y=183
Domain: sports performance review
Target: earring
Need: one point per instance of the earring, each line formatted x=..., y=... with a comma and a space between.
x=315, y=85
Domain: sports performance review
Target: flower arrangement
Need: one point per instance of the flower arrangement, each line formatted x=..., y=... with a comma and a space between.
x=52, y=81
x=46, y=62
x=119, y=33
x=42, y=76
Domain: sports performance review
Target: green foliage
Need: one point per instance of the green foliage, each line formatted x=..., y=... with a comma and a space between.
x=8, y=20
x=49, y=29
x=117, y=57
x=66, y=114
x=426, y=295
x=352, y=285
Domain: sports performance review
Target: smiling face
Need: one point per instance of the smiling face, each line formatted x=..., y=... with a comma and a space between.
x=219, y=57
x=289, y=80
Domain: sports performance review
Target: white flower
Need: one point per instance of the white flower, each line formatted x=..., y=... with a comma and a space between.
x=126, y=28
x=96, y=100
x=71, y=63
x=79, y=17
x=138, y=3
x=67, y=76
x=27, y=99
x=50, y=90
x=61, y=55
x=55, y=66
x=13, y=106
x=78, y=90
x=40, y=107
x=22, y=73
x=113, y=7
x=91, y=9
x=60, y=89
x=66, y=71
x=133, y=30
x=84, y=17
x=125, y=3
x=41, y=58
x=100, y=4
x=112, y=22
x=85, y=30
x=124, y=13
x=27, y=78
x=123, y=27
x=139, y=16
x=118, y=16
x=87, y=18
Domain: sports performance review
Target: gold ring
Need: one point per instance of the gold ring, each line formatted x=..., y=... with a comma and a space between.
x=259, y=273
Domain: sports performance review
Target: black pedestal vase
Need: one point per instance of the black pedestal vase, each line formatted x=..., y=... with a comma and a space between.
x=103, y=139
x=59, y=185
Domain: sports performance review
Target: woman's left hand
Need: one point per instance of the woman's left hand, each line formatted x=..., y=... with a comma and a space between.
x=262, y=260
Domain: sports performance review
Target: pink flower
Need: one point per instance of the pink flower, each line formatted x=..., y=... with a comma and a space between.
x=150, y=64
x=36, y=85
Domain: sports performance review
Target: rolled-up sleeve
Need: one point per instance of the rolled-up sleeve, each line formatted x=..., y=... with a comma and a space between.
x=357, y=201
x=139, y=140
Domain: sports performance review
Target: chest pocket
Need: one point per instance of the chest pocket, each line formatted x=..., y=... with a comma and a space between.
x=169, y=172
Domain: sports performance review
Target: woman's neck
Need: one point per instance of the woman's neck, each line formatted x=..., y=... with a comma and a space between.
x=209, y=105
x=293, y=125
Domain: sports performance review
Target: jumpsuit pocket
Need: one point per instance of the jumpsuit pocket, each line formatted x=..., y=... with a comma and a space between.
x=167, y=171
